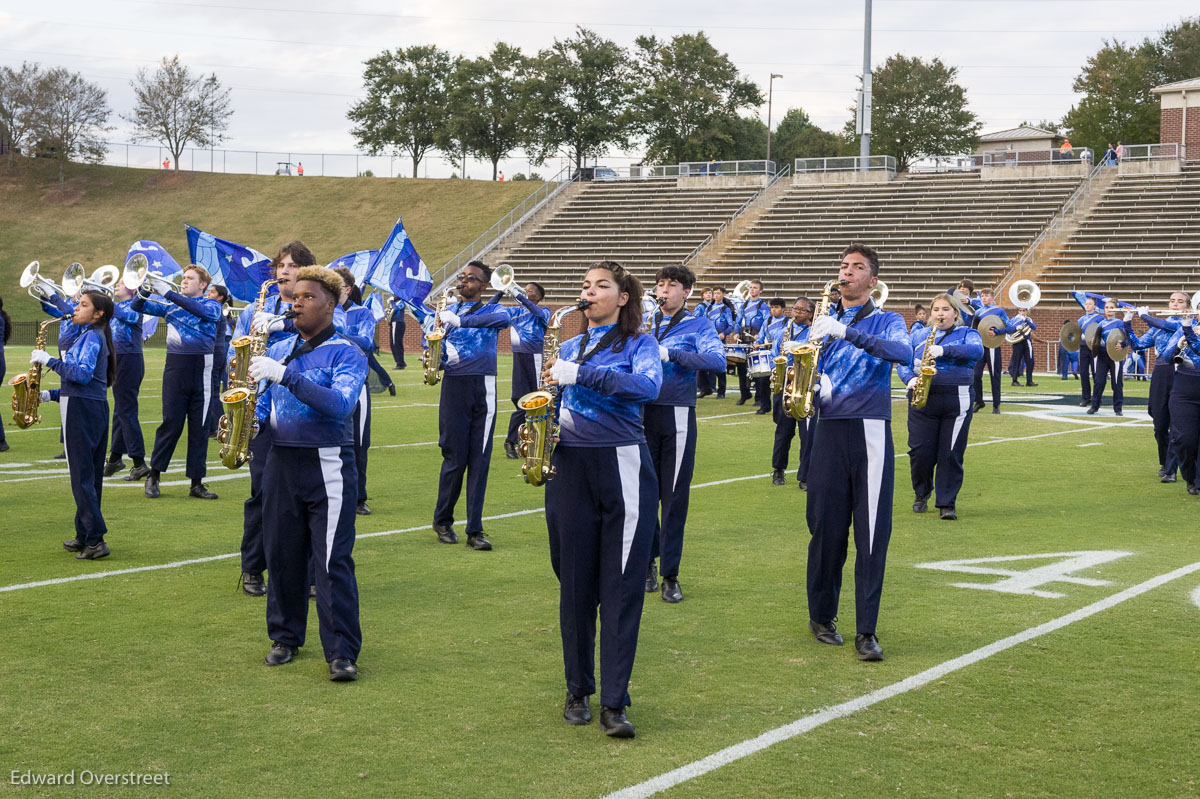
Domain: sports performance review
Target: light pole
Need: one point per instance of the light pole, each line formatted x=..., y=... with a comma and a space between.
x=864, y=98
x=770, y=93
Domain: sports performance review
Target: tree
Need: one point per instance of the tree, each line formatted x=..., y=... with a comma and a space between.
x=19, y=101
x=748, y=139
x=1117, y=102
x=487, y=106
x=919, y=110
x=176, y=109
x=578, y=95
x=71, y=119
x=797, y=137
x=406, y=102
x=689, y=97
x=1045, y=124
x=1179, y=49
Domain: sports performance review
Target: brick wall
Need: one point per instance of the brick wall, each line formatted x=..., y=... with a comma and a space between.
x=1172, y=129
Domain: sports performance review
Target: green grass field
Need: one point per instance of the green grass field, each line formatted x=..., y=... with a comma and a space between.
x=160, y=669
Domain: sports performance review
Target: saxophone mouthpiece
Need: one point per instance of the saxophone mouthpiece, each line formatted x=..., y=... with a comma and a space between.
x=582, y=304
x=290, y=314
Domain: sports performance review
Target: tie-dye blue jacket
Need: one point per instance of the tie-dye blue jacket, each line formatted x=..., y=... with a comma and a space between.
x=313, y=406
x=856, y=372
x=604, y=407
x=961, y=348
x=693, y=347
x=191, y=321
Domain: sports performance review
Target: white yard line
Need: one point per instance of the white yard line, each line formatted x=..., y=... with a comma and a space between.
x=744, y=749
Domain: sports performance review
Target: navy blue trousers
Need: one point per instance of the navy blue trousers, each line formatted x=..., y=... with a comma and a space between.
x=1185, y=423
x=991, y=361
x=384, y=378
x=786, y=429
x=362, y=439
x=1022, y=360
x=186, y=392
x=600, y=517
x=254, y=560
x=1161, y=381
x=853, y=484
x=466, y=421
x=85, y=433
x=671, y=438
x=1104, y=368
x=397, y=339
x=1087, y=370
x=937, y=442
x=527, y=367
x=126, y=429
x=219, y=368
x=308, y=510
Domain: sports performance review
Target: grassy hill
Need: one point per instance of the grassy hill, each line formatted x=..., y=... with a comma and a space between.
x=104, y=209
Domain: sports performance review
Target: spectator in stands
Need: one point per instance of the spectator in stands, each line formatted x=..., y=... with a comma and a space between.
x=1121, y=151
x=1066, y=152
x=1110, y=156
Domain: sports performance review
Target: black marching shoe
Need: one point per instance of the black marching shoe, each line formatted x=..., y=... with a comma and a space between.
x=477, y=541
x=1092, y=411
x=803, y=485
x=4, y=446
x=1084, y=403
x=1162, y=472
x=1117, y=413
x=392, y=389
x=995, y=410
x=867, y=647
x=1016, y=383
x=615, y=724
x=576, y=710
x=761, y=411
x=137, y=473
x=152, y=491
x=652, y=578
x=312, y=592
x=93, y=552
x=200, y=491
x=253, y=584
x=670, y=591
x=73, y=545
x=1030, y=383
x=721, y=395
x=112, y=467
x=510, y=451
x=280, y=654
x=826, y=633
x=62, y=456
x=445, y=534
x=741, y=401
x=362, y=509
x=343, y=670
x=948, y=515
x=1168, y=478
x=921, y=505
x=777, y=477
x=1193, y=490
x=979, y=406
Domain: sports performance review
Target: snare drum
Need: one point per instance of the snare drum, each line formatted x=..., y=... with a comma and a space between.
x=736, y=353
x=760, y=364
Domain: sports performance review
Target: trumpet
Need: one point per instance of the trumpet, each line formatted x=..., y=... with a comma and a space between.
x=38, y=286
x=104, y=279
x=504, y=279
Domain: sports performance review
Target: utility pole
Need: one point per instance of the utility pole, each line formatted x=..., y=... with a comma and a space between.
x=770, y=93
x=864, y=97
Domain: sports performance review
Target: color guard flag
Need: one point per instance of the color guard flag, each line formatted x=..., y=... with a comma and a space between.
x=359, y=263
x=399, y=269
x=240, y=269
x=161, y=263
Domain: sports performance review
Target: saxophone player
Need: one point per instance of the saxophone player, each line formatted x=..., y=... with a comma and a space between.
x=792, y=334
x=527, y=334
x=852, y=447
x=937, y=431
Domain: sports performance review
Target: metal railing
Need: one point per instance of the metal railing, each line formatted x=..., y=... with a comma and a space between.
x=726, y=168
x=1012, y=158
x=718, y=235
x=1169, y=151
x=872, y=163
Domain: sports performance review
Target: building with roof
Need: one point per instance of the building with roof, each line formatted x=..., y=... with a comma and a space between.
x=1022, y=139
x=1180, y=124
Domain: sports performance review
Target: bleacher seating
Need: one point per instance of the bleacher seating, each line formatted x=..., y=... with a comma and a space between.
x=1140, y=242
x=643, y=224
x=930, y=230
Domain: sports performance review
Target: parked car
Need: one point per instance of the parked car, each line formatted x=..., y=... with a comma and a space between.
x=595, y=173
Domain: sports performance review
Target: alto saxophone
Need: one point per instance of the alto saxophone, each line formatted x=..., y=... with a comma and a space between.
x=802, y=377
x=779, y=372
x=920, y=394
x=27, y=388
x=539, y=433
x=431, y=359
x=240, y=401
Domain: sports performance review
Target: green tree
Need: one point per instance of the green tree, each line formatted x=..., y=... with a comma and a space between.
x=1117, y=102
x=689, y=99
x=579, y=91
x=919, y=110
x=19, y=102
x=1179, y=49
x=797, y=137
x=748, y=139
x=488, y=106
x=176, y=109
x=72, y=118
x=406, y=103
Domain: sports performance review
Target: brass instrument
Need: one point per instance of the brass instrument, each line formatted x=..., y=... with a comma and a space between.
x=779, y=370
x=741, y=292
x=652, y=306
x=504, y=279
x=539, y=433
x=879, y=293
x=38, y=286
x=27, y=388
x=801, y=378
x=925, y=373
x=104, y=279
x=1070, y=336
x=240, y=401
x=431, y=359
x=1023, y=294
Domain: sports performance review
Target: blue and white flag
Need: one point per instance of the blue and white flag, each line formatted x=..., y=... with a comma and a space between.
x=1082, y=296
x=161, y=263
x=359, y=263
x=399, y=269
x=374, y=304
x=240, y=269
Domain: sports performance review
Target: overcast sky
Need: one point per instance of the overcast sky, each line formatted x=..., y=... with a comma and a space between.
x=295, y=71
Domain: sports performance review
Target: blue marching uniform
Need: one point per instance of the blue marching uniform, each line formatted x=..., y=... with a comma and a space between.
x=1185, y=404
x=1022, y=355
x=396, y=337
x=704, y=380
x=83, y=406
x=527, y=334
x=937, y=433
x=600, y=509
x=751, y=318
x=1068, y=363
x=991, y=357
x=467, y=410
x=722, y=316
x=219, y=368
x=1087, y=358
x=787, y=428
x=3, y=365
x=853, y=439
x=1105, y=366
x=358, y=325
x=670, y=425
x=917, y=325
x=63, y=309
x=126, y=330
x=187, y=386
x=309, y=490
x=1160, y=336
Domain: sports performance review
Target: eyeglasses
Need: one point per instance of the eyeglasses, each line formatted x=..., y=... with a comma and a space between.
x=469, y=279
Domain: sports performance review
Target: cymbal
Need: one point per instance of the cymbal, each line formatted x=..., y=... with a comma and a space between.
x=988, y=332
x=1070, y=336
x=1115, y=345
x=1092, y=336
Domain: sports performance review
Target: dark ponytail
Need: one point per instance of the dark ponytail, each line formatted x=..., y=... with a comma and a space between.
x=629, y=320
x=104, y=304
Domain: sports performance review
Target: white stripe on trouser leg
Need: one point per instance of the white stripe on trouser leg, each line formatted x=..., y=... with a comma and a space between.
x=681, y=434
x=62, y=415
x=629, y=465
x=873, y=433
x=964, y=405
x=537, y=368
x=208, y=367
x=362, y=411
x=331, y=472
x=489, y=390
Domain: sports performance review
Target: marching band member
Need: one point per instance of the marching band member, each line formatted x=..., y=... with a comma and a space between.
x=467, y=410
x=705, y=381
x=771, y=326
x=186, y=387
x=853, y=439
x=987, y=309
x=309, y=479
x=787, y=428
x=1162, y=377
x=1185, y=401
x=751, y=316
x=221, y=295
x=1068, y=363
x=5, y=335
x=527, y=334
x=1105, y=365
x=1087, y=359
x=86, y=370
x=1022, y=351
x=63, y=309
x=937, y=432
x=600, y=508
x=922, y=318
x=396, y=333
x=285, y=266
x=722, y=315
x=686, y=344
x=126, y=331
x=358, y=326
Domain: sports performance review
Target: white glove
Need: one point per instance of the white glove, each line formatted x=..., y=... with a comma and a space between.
x=827, y=326
x=935, y=350
x=45, y=396
x=39, y=356
x=1143, y=310
x=1129, y=316
x=450, y=319
x=911, y=384
x=788, y=347
x=1188, y=320
x=664, y=353
x=264, y=368
x=267, y=322
x=159, y=285
x=565, y=373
